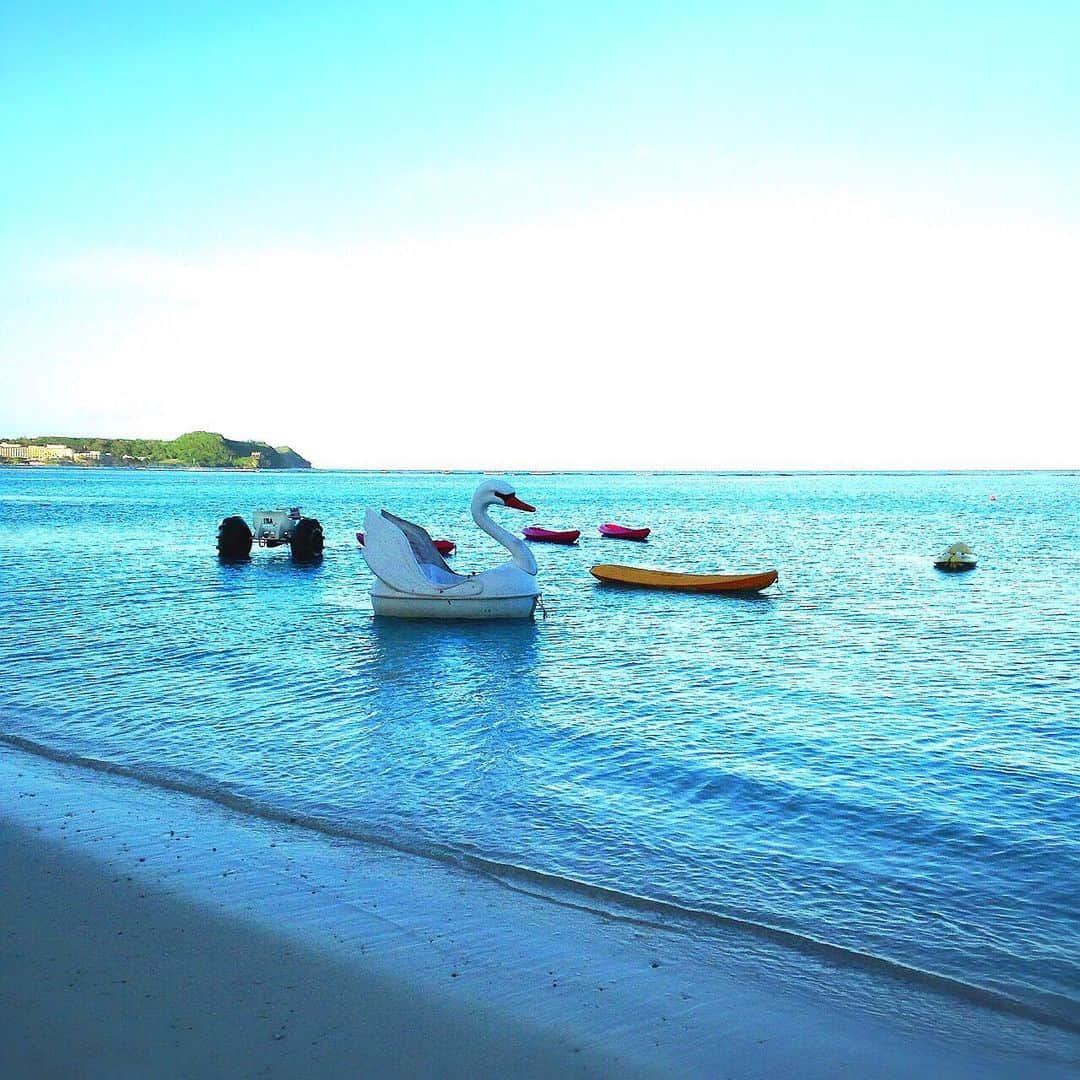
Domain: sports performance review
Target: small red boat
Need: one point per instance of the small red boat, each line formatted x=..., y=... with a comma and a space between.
x=621, y=532
x=443, y=547
x=551, y=536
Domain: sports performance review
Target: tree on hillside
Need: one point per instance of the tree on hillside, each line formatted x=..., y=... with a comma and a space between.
x=200, y=448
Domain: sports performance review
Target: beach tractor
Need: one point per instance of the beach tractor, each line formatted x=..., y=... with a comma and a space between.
x=270, y=528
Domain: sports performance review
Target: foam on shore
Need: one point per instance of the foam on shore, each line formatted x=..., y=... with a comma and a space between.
x=501, y=979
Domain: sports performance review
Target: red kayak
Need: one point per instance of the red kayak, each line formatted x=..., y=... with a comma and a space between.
x=443, y=547
x=621, y=532
x=551, y=536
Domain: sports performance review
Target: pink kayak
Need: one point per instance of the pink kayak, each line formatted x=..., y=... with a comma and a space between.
x=621, y=532
x=551, y=536
x=443, y=547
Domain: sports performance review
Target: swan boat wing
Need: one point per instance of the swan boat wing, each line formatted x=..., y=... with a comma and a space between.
x=420, y=541
x=399, y=557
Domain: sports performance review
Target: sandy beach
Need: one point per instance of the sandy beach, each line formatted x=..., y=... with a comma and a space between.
x=106, y=975
x=150, y=933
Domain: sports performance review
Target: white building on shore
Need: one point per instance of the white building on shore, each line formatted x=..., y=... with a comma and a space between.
x=49, y=452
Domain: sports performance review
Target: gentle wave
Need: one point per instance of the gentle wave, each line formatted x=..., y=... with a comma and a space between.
x=611, y=903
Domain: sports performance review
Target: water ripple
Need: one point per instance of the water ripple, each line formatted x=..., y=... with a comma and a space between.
x=875, y=756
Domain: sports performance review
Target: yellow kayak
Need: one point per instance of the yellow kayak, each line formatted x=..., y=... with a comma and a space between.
x=666, y=579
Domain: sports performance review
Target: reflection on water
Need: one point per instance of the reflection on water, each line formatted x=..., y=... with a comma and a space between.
x=453, y=699
x=487, y=669
x=492, y=645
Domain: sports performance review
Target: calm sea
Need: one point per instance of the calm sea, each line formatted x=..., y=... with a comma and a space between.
x=874, y=755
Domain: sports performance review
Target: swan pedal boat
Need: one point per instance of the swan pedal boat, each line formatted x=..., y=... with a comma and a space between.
x=698, y=583
x=623, y=532
x=413, y=580
x=956, y=558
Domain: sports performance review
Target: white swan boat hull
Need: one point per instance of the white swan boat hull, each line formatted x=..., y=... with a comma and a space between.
x=399, y=605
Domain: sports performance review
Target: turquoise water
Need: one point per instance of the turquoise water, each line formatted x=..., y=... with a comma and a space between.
x=874, y=755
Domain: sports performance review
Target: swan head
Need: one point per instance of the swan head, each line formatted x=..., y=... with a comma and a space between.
x=499, y=492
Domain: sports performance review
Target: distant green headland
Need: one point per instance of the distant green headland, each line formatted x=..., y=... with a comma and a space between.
x=202, y=449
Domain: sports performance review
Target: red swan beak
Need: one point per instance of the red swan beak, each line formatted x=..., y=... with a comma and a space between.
x=515, y=503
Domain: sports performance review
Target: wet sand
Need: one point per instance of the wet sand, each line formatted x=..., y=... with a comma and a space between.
x=150, y=934
x=107, y=976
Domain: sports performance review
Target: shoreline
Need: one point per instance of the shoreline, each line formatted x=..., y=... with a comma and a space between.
x=412, y=966
x=731, y=474
x=84, y=466
x=603, y=902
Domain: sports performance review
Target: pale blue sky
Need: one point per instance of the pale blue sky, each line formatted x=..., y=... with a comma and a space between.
x=143, y=139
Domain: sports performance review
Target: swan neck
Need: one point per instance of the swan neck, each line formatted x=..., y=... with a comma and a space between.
x=519, y=550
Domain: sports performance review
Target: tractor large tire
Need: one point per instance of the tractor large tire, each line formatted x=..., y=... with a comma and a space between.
x=307, y=540
x=234, y=540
